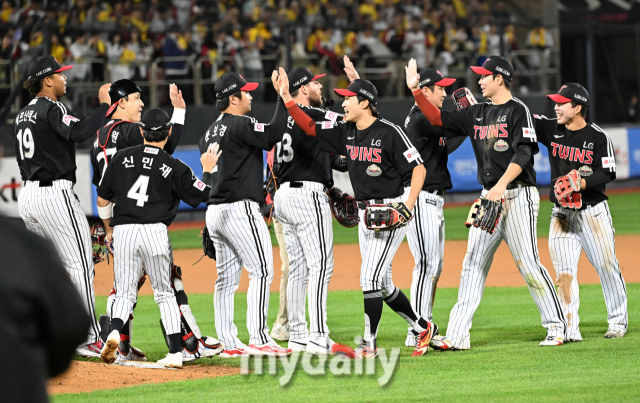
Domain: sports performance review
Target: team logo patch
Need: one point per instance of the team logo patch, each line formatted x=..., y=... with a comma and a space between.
x=374, y=170
x=151, y=150
x=258, y=127
x=330, y=115
x=529, y=133
x=411, y=154
x=327, y=125
x=501, y=146
x=67, y=119
x=198, y=184
x=585, y=170
x=608, y=162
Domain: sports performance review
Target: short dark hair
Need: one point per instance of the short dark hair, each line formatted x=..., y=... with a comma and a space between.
x=372, y=107
x=507, y=83
x=431, y=87
x=583, y=110
x=155, y=136
x=223, y=104
x=33, y=85
x=295, y=93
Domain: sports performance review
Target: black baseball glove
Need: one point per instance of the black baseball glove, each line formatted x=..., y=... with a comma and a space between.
x=484, y=214
x=207, y=243
x=343, y=207
x=387, y=217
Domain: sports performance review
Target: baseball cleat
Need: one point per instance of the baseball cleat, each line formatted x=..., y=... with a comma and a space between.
x=134, y=354
x=212, y=346
x=440, y=343
x=365, y=351
x=270, y=350
x=423, y=339
x=614, y=334
x=172, y=360
x=90, y=350
x=552, y=341
x=326, y=346
x=240, y=351
x=574, y=338
x=280, y=332
x=108, y=353
x=412, y=338
x=298, y=344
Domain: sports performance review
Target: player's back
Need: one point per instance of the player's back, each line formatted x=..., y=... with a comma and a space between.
x=299, y=155
x=146, y=184
x=116, y=135
x=43, y=149
x=240, y=169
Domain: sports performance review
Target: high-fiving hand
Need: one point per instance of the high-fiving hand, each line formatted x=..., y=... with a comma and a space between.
x=176, y=97
x=352, y=74
x=413, y=78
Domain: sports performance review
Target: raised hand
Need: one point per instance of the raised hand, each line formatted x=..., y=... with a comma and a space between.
x=103, y=94
x=176, y=97
x=413, y=78
x=352, y=74
x=283, y=85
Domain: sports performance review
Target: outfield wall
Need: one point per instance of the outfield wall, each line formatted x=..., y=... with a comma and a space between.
x=462, y=165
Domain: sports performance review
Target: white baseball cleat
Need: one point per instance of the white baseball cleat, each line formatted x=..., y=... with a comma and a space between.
x=280, y=332
x=172, y=360
x=319, y=346
x=411, y=339
x=614, y=333
x=134, y=354
x=298, y=344
x=212, y=346
x=552, y=341
x=108, y=353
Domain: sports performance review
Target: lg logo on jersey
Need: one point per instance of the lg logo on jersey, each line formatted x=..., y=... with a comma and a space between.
x=572, y=153
x=67, y=119
x=364, y=154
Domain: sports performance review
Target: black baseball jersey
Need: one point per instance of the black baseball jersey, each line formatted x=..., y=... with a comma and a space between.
x=588, y=150
x=434, y=150
x=44, y=149
x=240, y=170
x=146, y=184
x=117, y=135
x=298, y=155
x=377, y=157
x=500, y=135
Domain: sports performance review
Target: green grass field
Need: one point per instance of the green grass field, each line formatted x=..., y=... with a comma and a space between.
x=504, y=364
x=624, y=212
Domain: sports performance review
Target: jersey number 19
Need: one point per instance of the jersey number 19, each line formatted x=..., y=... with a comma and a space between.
x=25, y=139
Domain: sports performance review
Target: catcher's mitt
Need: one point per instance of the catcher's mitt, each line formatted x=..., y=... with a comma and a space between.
x=207, y=243
x=573, y=201
x=462, y=97
x=343, y=207
x=99, y=243
x=484, y=214
x=566, y=185
x=387, y=217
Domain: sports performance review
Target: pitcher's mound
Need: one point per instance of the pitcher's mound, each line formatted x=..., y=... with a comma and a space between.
x=84, y=376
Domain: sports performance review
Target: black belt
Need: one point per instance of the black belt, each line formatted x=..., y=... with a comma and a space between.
x=439, y=192
x=45, y=184
x=363, y=204
x=512, y=185
x=294, y=184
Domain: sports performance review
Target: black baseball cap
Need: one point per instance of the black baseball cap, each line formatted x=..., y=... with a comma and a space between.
x=119, y=90
x=430, y=77
x=360, y=87
x=301, y=76
x=571, y=92
x=230, y=83
x=495, y=65
x=155, y=119
x=44, y=66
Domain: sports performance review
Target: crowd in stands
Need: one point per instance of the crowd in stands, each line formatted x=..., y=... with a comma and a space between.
x=249, y=36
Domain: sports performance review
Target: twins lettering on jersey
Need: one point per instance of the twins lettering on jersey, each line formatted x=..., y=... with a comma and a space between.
x=364, y=153
x=573, y=154
x=492, y=131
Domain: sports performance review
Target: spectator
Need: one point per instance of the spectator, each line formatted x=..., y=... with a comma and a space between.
x=58, y=50
x=415, y=43
x=7, y=11
x=80, y=50
x=250, y=55
x=119, y=60
x=161, y=20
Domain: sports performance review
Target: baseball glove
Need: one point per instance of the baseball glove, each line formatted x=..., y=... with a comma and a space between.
x=343, y=207
x=566, y=185
x=484, y=214
x=99, y=243
x=573, y=201
x=207, y=243
x=387, y=217
x=463, y=98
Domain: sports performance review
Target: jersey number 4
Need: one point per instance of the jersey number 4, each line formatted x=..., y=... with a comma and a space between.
x=25, y=140
x=138, y=191
x=284, y=151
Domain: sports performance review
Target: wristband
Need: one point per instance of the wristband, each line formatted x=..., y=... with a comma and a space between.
x=178, y=116
x=106, y=212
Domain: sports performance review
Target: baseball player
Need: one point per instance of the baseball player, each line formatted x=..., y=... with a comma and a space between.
x=504, y=141
x=46, y=133
x=234, y=221
x=120, y=132
x=146, y=185
x=378, y=155
x=583, y=153
x=302, y=206
x=426, y=230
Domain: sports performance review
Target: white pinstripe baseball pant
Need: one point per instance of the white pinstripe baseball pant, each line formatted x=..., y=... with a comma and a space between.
x=137, y=246
x=425, y=234
x=590, y=229
x=54, y=212
x=306, y=218
x=517, y=226
x=241, y=238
